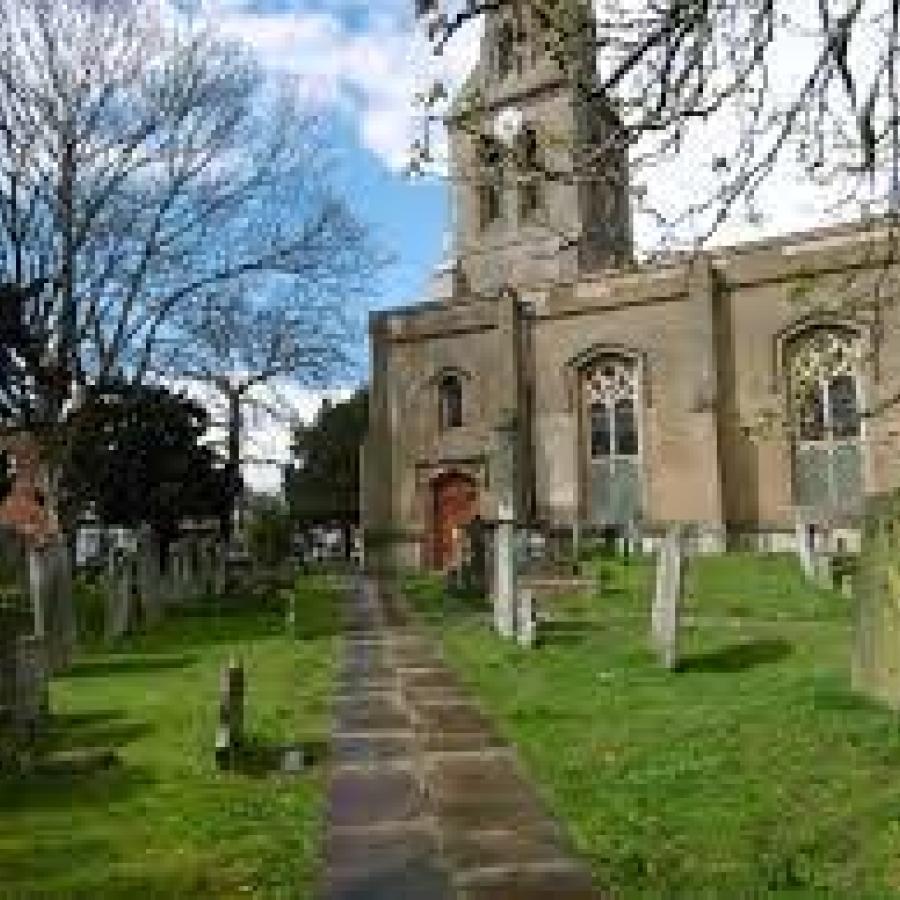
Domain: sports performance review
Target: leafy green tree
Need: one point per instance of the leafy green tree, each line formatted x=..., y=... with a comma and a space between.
x=135, y=455
x=323, y=488
x=269, y=533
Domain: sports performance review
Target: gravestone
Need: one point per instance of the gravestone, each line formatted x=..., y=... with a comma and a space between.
x=230, y=732
x=806, y=547
x=526, y=618
x=503, y=476
x=876, y=650
x=120, y=597
x=667, y=598
x=50, y=588
x=31, y=696
x=150, y=578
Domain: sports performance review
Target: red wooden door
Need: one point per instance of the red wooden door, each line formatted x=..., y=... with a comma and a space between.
x=455, y=505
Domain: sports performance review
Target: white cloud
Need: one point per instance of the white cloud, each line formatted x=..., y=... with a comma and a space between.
x=268, y=424
x=373, y=75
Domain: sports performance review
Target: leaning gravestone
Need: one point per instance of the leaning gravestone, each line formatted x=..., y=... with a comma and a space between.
x=876, y=652
x=667, y=598
x=230, y=732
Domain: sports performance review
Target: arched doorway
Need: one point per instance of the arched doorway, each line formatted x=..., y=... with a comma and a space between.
x=454, y=504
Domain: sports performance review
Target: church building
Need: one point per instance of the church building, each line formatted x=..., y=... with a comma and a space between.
x=738, y=390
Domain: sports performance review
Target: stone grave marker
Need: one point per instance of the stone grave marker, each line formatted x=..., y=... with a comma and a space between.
x=230, y=732
x=50, y=588
x=31, y=679
x=806, y=547
x=667, y=599
x=876, y=648
x=526, y=619
x=120, y=596
x=504, y=479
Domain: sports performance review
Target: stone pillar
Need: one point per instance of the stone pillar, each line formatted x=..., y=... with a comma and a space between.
x=667, y=599
x=503, y=478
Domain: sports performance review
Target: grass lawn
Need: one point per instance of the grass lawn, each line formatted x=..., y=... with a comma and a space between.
x=753, y=772
x=161, y=821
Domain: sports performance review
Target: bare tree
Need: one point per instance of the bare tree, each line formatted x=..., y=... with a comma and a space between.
x=672, y=68
x=146, y=166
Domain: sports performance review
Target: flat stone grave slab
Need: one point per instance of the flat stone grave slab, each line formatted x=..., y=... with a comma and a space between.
x=385, y=864
x=377, y=794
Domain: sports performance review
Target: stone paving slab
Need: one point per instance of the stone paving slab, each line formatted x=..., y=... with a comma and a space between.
x=380, y=793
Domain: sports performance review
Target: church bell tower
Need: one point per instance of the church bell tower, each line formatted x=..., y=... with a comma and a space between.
x=540, y=191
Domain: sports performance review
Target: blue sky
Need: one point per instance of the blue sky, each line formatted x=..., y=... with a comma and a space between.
x=356, y=62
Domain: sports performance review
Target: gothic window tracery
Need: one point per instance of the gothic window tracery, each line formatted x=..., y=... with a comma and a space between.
x=824, y=371
x=611, y=392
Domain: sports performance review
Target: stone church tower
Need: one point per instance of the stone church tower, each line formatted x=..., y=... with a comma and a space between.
x=540, y=195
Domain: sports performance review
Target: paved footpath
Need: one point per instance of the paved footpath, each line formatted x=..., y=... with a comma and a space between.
x=424, y=802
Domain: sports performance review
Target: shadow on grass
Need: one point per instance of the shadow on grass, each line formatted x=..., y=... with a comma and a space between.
x=127, y=664
x=66, y=780
x=738, y=657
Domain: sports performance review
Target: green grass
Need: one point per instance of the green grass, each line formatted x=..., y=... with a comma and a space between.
x=161, y=821
x=753, y=772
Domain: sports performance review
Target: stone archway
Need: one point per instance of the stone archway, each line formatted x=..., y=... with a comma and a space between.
x=454, y=501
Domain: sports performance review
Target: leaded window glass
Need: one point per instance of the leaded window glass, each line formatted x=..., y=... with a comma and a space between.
x=612, y=402
x=824, y=381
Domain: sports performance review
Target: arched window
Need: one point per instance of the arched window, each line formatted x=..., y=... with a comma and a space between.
x=490, y=163
x=529, y=181
x=825, y=408
x=611, y=397
x=506, y=49
x=450, y=402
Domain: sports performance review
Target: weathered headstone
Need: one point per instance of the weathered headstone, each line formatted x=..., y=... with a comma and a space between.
x=526, y=619
x=876, y=651
x=667, y=598
x=230, y=732
x=806, y=547
x=120, y=596
x=150, y=578
x=31, y=678
x=504, y=481
x=50, y=584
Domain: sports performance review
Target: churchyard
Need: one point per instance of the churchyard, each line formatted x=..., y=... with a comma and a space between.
x=749, y=770
x=122, y=791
